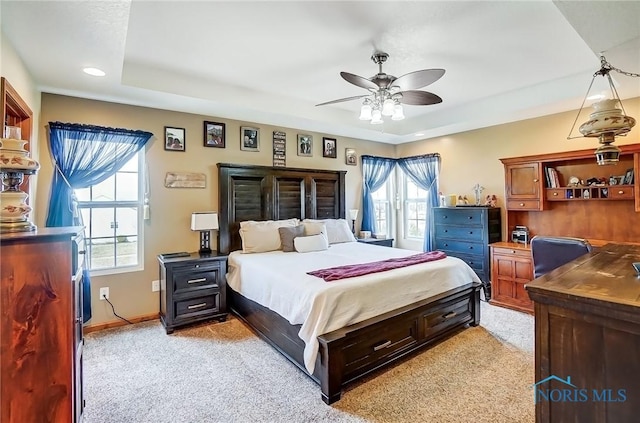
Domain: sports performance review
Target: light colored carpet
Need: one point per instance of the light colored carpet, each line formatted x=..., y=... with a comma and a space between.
x=222, y=372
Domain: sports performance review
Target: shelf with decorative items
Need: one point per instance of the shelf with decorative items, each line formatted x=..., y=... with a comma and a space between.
x=603, y=192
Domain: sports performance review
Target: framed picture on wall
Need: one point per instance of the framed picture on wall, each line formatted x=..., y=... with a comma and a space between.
x=329, y=148
x=249, y=138
x=350, y=156
x=174, y=139
x=305, y=145
x=214, y=134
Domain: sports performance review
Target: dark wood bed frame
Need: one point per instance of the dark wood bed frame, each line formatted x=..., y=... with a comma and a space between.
x=273, y=193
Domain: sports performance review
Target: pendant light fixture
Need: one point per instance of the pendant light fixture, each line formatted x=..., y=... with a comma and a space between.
x=607, y=121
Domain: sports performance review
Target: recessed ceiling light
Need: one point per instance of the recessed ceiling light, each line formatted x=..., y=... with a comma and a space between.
x=419, y=134
x=596, y=97
x=94, y=71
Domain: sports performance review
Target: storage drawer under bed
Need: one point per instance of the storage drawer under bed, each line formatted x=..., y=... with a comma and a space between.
x=442, y=318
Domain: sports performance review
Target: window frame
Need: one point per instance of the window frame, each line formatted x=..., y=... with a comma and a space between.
x=139, y=204
x=405, y=208
x=389, y=187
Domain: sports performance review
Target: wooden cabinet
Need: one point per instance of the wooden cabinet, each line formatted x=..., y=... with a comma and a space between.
x=41, y=337
x=192, y=289
x=566, y=209
x=587, y=328
x=466, y=232
x=524, y=185
x=386, y=242
x=511, y=269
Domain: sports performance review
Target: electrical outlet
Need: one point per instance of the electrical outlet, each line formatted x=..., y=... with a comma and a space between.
x=155, y=286
x=104, y=293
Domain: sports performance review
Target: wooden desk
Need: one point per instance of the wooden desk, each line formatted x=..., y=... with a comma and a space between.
x=587, y=327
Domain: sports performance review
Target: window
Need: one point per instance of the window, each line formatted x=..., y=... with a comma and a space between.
x=415, y=209
x=382, y=203
x=112, y=214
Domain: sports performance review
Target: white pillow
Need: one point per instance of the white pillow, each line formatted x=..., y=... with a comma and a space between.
x=338, y=230
x=262, y=236
x=306, y=244
x=314, y=228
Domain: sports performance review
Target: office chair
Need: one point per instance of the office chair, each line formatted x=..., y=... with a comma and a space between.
x=551, y=252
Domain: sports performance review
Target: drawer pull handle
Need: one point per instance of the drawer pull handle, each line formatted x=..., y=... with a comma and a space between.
x=197, y=280
x=535, y=180
x=555, y=194
x=446, y=230
x=449, y=315
x=521, y=204
x=470, y=217
x=381, y=346
x=191, y=307
x=470, y=232
x=621, y=192
x=471, y=248
x=513, y=251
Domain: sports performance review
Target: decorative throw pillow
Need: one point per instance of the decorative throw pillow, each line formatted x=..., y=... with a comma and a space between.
x=263, y=236
x=288, y=234
x=338, y=230
x=306, y=244
x=314, y=228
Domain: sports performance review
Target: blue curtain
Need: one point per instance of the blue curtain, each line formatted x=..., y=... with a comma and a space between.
x=85, y=155
x=375, y=172
x=423, y=171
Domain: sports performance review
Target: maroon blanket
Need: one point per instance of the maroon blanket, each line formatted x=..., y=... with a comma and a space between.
x=352, y=270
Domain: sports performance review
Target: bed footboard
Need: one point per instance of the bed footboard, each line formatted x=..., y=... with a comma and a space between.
x=349, y=353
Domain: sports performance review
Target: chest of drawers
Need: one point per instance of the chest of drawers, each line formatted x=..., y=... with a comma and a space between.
x=192, y=289
x=466, y=232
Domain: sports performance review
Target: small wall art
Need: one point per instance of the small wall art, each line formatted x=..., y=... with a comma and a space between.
x=329, y=148
x=350, y=156
x=249, y=138
x=214, y=134
x=184, y=180
x=174, y=139
x=305, y=145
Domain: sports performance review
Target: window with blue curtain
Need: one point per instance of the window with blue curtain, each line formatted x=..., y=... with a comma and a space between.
x=85, y=155
x=375, y=172
x=423, y=171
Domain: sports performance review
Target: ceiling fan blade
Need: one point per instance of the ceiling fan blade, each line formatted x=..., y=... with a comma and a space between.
x=360, y=81
x=340, y=100
x=419, y=98
x=418, y=79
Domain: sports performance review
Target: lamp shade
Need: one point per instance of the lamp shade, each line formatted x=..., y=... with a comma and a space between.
x=204, y=221
x=353, y=214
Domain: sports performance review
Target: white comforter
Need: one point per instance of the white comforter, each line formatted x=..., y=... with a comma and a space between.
x=278, y=281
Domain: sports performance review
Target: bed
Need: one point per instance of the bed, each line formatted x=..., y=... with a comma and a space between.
x=346, y=353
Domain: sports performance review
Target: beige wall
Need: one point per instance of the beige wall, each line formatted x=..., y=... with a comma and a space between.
x=168, y=229
x=13, y=70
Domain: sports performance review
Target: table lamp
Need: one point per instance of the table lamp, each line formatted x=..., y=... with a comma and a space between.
x=353, y=214
x=204, y=222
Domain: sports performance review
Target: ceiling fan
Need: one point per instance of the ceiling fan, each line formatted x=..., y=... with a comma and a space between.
x=387, y=93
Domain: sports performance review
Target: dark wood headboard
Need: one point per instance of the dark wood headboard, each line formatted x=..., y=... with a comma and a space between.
x=274, y=193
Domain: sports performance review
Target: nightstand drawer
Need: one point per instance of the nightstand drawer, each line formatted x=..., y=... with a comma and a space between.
x=188, y=281
x=196, y=306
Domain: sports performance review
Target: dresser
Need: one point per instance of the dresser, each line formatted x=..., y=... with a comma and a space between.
x=41, y=339
x=587, y=338
x=192, y=289
x=466, y=232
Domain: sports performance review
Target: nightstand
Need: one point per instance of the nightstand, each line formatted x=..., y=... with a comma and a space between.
x=387, y=242
x=192, y=289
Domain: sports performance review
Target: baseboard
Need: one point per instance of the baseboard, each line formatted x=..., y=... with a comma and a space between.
x=117, y=323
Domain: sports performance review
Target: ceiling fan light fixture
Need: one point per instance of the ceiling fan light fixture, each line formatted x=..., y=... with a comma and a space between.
x=376, y=117
x=387, y=107
x=365, y=112
x=398, y=112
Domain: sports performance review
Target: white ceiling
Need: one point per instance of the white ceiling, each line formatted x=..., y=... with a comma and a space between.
x=271, y=62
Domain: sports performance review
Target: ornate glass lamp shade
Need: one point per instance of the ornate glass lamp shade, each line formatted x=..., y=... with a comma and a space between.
x=605, y=123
